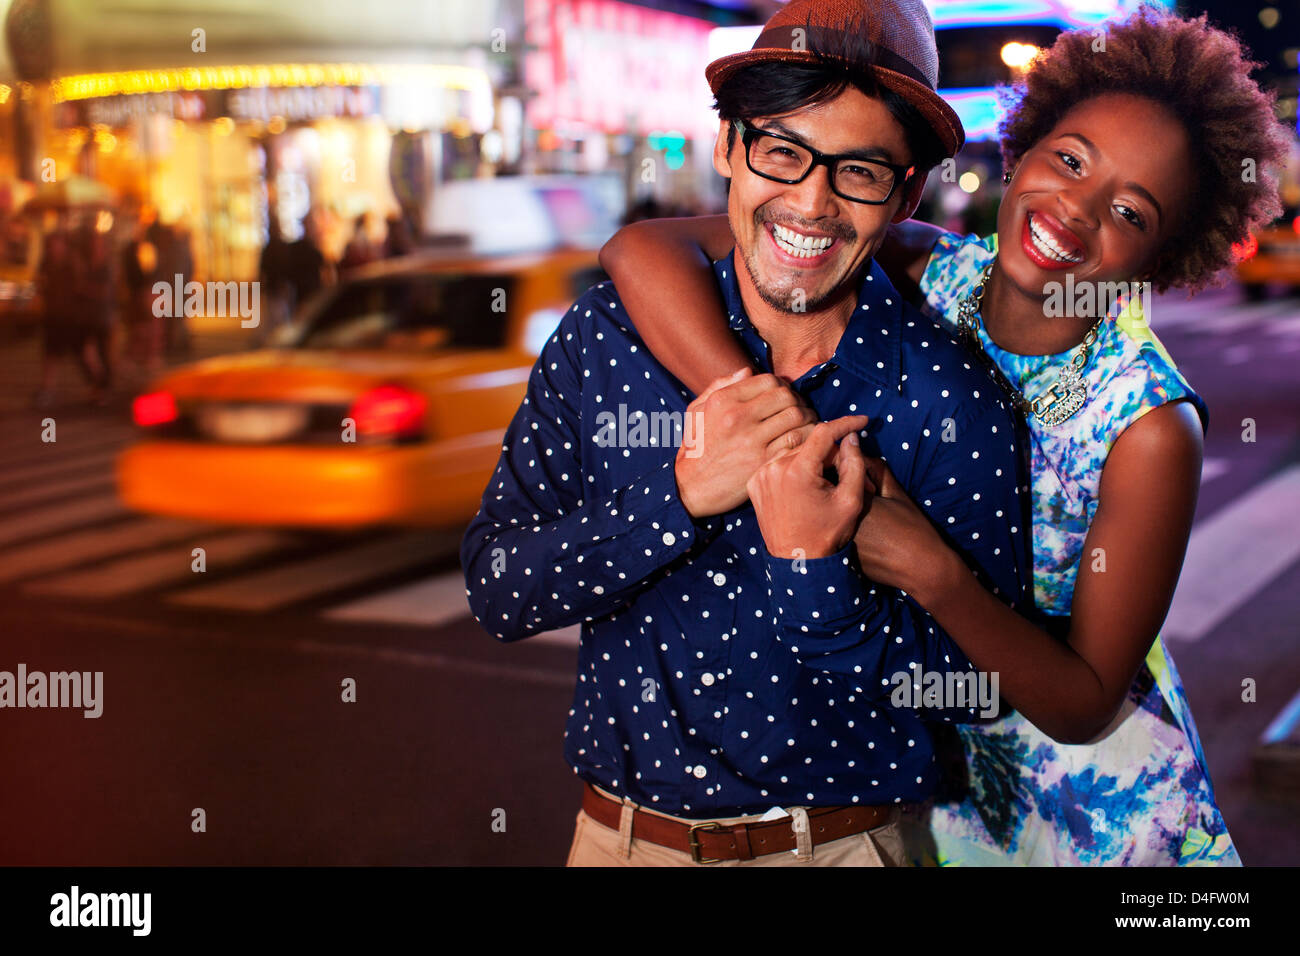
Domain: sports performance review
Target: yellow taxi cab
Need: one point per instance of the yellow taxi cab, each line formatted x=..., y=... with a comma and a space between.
x=383, y=403
x=1270, y=255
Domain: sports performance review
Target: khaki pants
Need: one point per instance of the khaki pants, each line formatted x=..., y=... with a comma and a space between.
x=597, y=845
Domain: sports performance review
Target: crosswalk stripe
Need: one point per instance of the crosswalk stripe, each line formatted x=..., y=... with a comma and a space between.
x=1233, y=554
x=66, y=516
x=287, y=584
x=1216, y=313
x=429, y=604
x=45, y=491
x=423, y=604
x=567, y=636
x=1287, y=326
x=1212, y=468
x=25, y=444
x=1244, y=316
x=173, y=565
x=71, y=550
x=10, y=477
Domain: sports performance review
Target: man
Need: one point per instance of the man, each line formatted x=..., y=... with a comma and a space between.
x=733, y=659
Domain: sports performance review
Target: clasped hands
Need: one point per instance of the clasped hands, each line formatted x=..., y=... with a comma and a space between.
x=755, y=438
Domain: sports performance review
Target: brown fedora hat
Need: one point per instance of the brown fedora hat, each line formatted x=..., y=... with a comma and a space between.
x=900, y=30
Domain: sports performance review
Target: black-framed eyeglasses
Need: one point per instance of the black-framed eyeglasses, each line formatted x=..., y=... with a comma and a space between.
x=785, y=160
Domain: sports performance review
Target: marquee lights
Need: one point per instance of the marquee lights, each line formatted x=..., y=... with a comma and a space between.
x=93, y=85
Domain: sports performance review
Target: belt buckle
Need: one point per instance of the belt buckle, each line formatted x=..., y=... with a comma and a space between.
x=694, y=842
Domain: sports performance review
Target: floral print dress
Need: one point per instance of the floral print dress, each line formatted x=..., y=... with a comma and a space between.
x=1140, y=794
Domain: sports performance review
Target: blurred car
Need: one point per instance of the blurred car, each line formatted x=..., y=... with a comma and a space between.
x=1270, y=255
x=383, y=403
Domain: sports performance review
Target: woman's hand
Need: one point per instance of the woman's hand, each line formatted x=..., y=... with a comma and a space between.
x=896, y=543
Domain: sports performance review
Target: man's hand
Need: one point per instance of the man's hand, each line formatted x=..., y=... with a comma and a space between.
x=798, y=509
x=735, y=425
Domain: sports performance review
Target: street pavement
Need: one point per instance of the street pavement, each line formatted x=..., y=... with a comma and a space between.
x=223, y=691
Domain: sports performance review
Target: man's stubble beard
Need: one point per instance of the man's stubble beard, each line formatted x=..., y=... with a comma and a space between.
x=782, y=300
x=779, y=299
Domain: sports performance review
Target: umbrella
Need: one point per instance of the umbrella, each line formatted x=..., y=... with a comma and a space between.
x=75, y=191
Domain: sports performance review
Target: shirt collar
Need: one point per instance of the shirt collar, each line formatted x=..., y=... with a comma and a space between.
x=871, y=344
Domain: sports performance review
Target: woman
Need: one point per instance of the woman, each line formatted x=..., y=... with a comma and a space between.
x=1100, y=763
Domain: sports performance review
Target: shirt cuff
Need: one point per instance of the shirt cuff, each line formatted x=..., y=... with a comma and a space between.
x=819, y=592
x=671, y=530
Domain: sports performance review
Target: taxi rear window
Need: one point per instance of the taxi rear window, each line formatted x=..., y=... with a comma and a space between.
x=428, y=311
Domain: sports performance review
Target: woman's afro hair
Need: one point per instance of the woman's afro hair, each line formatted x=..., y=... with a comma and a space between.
x=1201, y=75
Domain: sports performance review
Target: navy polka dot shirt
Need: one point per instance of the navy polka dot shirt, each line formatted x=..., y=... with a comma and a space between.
x=714, y=679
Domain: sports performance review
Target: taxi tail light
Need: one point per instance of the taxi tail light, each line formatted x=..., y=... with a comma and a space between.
x=154, y=408
x=389, y=411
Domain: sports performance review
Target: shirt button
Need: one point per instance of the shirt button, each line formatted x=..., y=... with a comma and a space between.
x=669, y=538
x=719, y=579
x=700, y=772
x=706, y=679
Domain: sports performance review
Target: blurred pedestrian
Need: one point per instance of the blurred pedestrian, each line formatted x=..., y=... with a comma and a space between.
x=143, y=265
x=308, y=269
x=398, y=241
x=361, y=249
x=275, y=282
x=63, y=333
x=94, y=297
x=179, y=258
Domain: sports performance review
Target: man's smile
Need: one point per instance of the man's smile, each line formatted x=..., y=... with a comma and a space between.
x=806, y=248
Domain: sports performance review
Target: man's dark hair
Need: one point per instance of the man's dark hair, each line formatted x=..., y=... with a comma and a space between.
x=843, y=59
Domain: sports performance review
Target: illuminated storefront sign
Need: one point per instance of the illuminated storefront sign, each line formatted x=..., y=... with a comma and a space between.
x=415, y=96
x=614, y=67
x=952, y=14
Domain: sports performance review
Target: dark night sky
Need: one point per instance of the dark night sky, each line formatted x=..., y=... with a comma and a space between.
x=1266, y=45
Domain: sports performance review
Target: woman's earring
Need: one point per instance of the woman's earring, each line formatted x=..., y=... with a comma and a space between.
x=1006, y=178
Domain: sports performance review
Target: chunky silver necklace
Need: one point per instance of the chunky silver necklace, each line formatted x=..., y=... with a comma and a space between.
x=1062, y=398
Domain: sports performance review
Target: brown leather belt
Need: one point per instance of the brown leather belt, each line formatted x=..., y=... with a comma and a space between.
x=709, y=842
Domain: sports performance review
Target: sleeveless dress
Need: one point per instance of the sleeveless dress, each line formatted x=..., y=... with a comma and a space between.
x=1141, y=794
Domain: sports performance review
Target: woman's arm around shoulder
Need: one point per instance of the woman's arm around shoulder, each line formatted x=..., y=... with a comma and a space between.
x=663, y=273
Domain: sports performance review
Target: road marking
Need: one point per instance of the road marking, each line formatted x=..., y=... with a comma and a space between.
x=1212, y=468
x=1281, y=726
x=51, y=520
x=422, y=604
x=43, y=492
x=1233, y=319
x=541, y=675
x=429, y=604
x=71, y=550
x=1175, y=309
x=1215, y=313
x=173, y=565
x=565, y=636
x=277, y=587
x=1233, y=554
x=29, y=447
x=101, y=463
x=1287, y=326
